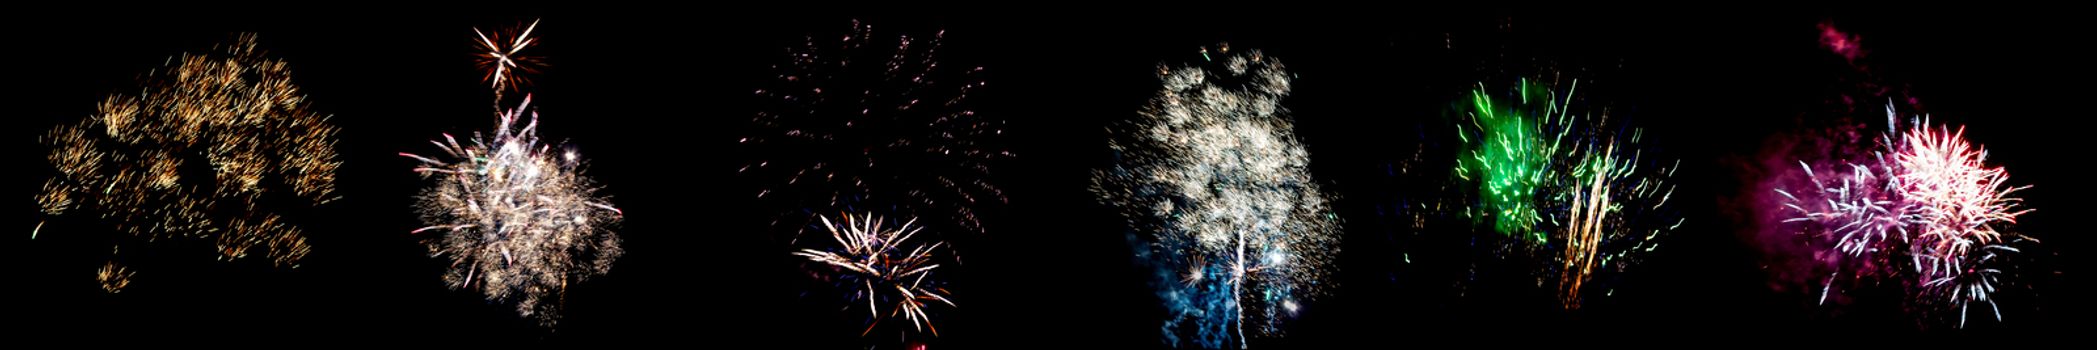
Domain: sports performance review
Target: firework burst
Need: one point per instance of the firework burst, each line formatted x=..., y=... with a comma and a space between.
x=196, y=154
x=1568, y=186
x=1217, y=190
x=1959, y=199
x=518, y=220
x=1924, y=214
x=1512, y=158
x=872, y=121
x=883, y=268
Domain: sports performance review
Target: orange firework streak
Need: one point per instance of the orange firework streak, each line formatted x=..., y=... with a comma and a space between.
x=1584, y=236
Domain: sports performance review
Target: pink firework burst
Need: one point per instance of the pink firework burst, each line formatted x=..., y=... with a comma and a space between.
x=1961, y=204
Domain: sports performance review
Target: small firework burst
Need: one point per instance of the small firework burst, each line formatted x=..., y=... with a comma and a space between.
x=502, y=56
x=882, y=267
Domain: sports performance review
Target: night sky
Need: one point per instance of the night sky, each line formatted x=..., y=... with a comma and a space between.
x=654, y=98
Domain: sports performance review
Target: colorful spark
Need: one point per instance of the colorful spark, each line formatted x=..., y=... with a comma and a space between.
x=881, y=267
x=1217, y=192
x=1567, y=185
x=215, y=146
x=517, y=219
x=113, y=277
x=870, y=121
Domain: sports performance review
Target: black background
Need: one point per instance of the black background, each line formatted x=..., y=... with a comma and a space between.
x=653, y=95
